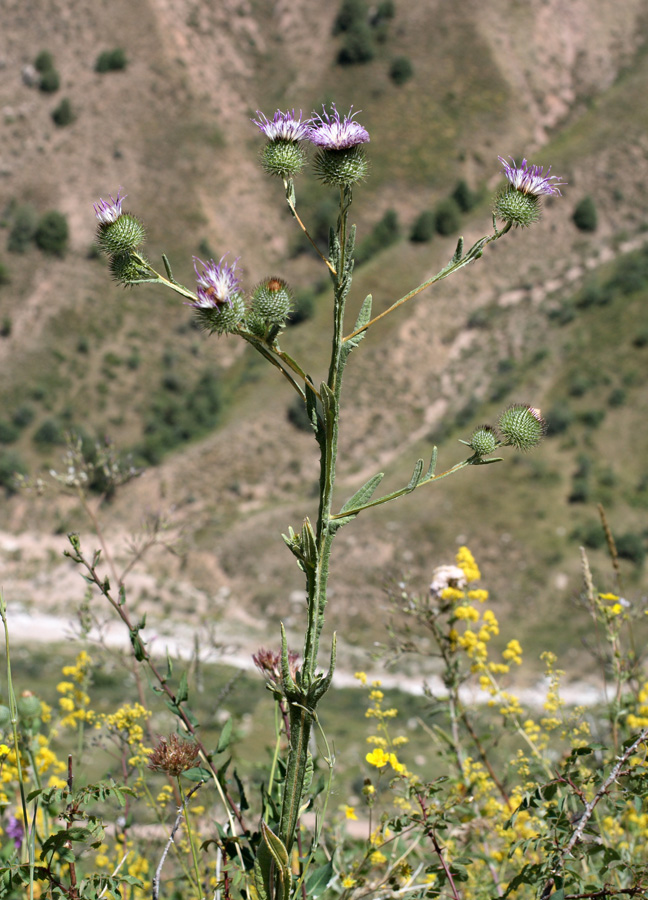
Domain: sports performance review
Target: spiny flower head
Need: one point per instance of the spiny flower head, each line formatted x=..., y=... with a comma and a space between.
x=522, y=426
x=530, y=179
x=217, y=284
x=331, y=132
x=285, y=126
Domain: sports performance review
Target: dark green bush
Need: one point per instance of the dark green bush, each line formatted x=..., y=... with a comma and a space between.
x=350, y=14
x=384, y=11
x=49, y=433
x=631, y=274
x=44, y=61
x=357, y=47
x=579, y=384
x=384, y=233
x=617, y=397
x=8, y=432
x=593, y=294
x=303, y=307
x=10, y=465
x=424, y=227
x=111, y=60
x=50, y=81
x=641, y=338
x=447, y=217
x=563, y=314
x=23, y=228
x=401, y=70
x=63, y=114
x=558, y=419
x=580, y=491
x=5, y=326
x=591, y=418
x=631, y=546
x=4, y=274
x=23, y=415
x=297, y=415
x=464, y=197
x=584, y=216
x=52, y=233
x=590, y=535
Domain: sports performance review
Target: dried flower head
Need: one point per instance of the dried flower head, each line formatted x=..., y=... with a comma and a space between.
x=173, y=755
x=269, y=664
x=331, y=132
x=107, y=213
x=530, y=179
x=217, y=284
x=285, y=126
x=447, y=576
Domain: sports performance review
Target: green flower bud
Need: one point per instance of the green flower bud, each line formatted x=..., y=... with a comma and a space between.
x=124, y=235
x=483, y=440
x=516, y=207
x=284, y=159
x=222, y=319
x=272, y=301
x=341, y=167
x=522, y=426
x=128, y=269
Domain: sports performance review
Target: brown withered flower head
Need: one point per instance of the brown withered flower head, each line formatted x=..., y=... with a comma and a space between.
x=269, y=664
x=173, y=755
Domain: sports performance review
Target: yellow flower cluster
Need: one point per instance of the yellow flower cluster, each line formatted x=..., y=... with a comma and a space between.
x=75, y=702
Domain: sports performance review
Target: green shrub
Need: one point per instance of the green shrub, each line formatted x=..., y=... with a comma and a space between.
x=5, y=327
x=590, y=535
x=44, y=62
x=49, y=433
x=558, y=419
x=584, y=216
x=641, y=338
x=52, y=233
x=4, y=274
x=593, y=294
x=384, y=233
x=303, y=307
x=358, y=46
x=63, y=114
x=630, y=274
x=50, y=81
x=617, y=397
x=350, y=14
x=111, y=61
x=447, y=217
x=591, y=418
x=563, y=314
x=384, y=11
x=631, y=546
x=465, y=198
x=8, y=432
x=23, y=229
x=10, y=465
x=423, y=228
x=401, y=70
x=580, y=491
x=23, y=415
x=579, y=384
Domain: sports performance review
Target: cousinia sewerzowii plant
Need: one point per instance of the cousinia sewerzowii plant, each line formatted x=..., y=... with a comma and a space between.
x=221, y=306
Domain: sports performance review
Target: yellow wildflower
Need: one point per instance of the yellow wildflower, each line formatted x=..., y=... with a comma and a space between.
x=349, y=812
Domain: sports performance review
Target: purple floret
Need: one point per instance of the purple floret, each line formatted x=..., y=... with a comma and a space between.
x=285, y=126
x=529, y=179
x=217, y=284
x=107, y=213
x=332, y=133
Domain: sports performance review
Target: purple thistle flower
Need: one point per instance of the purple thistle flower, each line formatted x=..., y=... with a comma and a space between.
x=107, y=213
x=529, y=179
x=284, y=126
x=15, y=831
x=217, y=284
x=332, y=133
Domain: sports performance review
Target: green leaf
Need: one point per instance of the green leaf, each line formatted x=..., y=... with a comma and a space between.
x=363, y=317
x=362, y=495
x=433, y=461
x=225, y=737
x=183, y=690
x=319, y=880
x=197, y=774
x=416, y=475
x=459, y=251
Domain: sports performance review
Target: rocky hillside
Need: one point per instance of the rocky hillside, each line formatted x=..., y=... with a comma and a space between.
x=562, y=83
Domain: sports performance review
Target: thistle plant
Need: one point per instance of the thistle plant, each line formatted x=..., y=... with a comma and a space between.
x=219, y=303
x=273, y=860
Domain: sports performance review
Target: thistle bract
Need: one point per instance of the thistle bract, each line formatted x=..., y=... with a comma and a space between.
x=124, y=235
x=225, y=319
x=282, y=158
x=127, y=268
x=483, y=440
x=519, y=203
x=341, y=167
x=522, y=426
x=272, y=301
